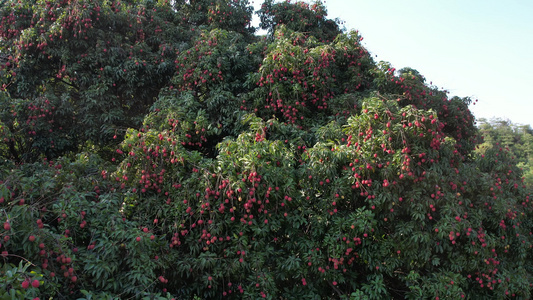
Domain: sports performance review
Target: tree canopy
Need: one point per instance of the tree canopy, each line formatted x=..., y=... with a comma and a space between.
x=160, y=149
x=516, y=139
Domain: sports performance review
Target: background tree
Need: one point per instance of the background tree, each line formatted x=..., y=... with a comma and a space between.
x=514, y=138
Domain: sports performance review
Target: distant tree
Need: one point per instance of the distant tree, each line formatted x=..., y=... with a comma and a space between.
x=516, y=139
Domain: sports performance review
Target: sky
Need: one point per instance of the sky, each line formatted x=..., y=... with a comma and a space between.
x=482, y=49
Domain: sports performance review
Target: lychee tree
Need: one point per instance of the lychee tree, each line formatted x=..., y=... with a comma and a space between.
x=234, y=15
x=300, y=16
x=291, y=166
x=104, y=61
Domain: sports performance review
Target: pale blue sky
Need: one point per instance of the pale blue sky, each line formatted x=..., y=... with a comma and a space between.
x=477, y=48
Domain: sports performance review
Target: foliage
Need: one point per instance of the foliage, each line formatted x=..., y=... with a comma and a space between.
x=235, y=15
x=40, y=126
x=18, y=283
x=105, y=61
x=309, y=19
x=409, y=88
x=302, y=80
x=183, y=157
x=516, y=139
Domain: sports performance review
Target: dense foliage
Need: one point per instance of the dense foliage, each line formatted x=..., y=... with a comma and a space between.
x=516, y=139
x=158, y=150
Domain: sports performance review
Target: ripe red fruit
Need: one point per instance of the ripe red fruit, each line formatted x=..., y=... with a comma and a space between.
x=31, y=238
x=138, y=239
x=7, y=226
x=26, y=284
x=74, y=278
x=35, y=283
